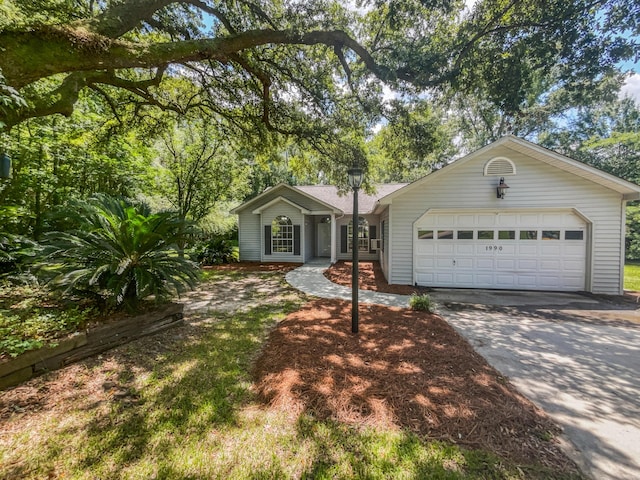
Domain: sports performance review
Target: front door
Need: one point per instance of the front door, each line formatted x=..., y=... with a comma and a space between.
x=324, y=240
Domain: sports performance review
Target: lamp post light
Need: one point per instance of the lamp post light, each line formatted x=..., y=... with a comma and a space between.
x=356, y=176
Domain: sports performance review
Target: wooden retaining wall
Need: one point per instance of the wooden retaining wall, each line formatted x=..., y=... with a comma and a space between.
x=85, y=344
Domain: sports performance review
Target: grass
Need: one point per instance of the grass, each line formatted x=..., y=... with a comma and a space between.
x=189, y=412
x=632, y=276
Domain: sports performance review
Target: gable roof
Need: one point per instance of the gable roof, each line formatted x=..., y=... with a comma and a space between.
x=329, y=196
x=629, y=191
x=282, y=187
x=344, y=202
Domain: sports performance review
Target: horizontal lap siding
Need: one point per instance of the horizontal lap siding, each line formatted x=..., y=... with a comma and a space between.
x=249, y=235
x=384, y=254
x=536, y=185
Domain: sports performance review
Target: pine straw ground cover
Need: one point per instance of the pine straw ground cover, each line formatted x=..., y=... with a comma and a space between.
x=407, y=370
x=370, y=277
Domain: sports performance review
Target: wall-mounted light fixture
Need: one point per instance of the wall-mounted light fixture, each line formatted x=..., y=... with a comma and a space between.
x=502, y=188
x=5, y=166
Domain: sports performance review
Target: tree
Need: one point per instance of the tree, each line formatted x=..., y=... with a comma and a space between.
x=414, y=141
x=283, y=66
x=56, y=159
x=200, y=167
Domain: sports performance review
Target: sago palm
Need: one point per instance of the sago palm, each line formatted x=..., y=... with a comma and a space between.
x=119, y=251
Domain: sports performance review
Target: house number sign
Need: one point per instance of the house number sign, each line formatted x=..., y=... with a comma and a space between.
x=490, y=248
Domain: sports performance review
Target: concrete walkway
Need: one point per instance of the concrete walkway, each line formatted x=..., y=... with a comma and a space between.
x=309, y=279
x=575, y=356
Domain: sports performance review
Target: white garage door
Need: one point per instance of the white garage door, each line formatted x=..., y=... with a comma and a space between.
x=528, y=251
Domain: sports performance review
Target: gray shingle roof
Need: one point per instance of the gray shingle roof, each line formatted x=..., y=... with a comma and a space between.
x=366, y=203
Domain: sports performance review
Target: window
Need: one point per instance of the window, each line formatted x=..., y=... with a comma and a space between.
x=506, y=235
x=363, y=235
x=445, y=234
x=465, y=235
x=574, y=235
x=528, y=234
x=551, y=235
x=281, y=235
x=382, y=229
x=425, y=234
x=485, y=234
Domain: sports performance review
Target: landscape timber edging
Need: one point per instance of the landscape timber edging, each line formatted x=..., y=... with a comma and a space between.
x=85, y=344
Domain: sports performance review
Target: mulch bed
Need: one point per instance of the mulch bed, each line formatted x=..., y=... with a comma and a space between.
x=370, y=277
x=404, y=369
x=254, y=267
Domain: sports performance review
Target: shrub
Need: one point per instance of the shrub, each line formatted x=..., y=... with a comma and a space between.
x=216, y=251
x=16, y=252
x=119, y=252
x=421, y=302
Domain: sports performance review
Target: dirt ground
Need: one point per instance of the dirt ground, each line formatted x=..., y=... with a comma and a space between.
x=404, y=369
x=370, y=277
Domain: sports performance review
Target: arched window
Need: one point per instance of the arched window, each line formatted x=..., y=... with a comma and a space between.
x=282, y=235
x=363, y=235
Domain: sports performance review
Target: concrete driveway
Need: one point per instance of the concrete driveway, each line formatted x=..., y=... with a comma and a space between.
x=577, y=357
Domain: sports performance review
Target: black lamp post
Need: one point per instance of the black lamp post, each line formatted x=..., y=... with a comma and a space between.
x=356, y=175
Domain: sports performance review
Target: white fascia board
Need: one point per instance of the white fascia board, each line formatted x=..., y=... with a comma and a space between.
x=281, y=199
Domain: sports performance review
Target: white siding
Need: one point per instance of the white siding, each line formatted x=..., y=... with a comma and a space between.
x=249, y=235
x=536, y=185
x=297, y=218
x=384, y=254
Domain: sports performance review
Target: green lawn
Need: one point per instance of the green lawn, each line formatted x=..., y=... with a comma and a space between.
x=632, y=276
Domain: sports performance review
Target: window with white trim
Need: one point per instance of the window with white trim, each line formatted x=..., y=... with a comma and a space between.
x=363, y=235
x=282, y=235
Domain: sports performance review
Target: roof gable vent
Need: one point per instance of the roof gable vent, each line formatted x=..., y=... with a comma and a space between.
x=499, y=166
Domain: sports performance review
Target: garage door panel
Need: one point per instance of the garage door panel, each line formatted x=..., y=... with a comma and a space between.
x=506, y=263
x=527, y=264
x=503, y=280
x=527, y=249
x=507, y=249
x=444, y=262
x=524, y=261
x=444, y=278
x=572, y=265
x=425, y=262
x=464, y=263
x=445, y=248
x=486, y=220
x=464, y=279
x=552, y=265
x=464, y=249
x=485, y=263
x=550, y=250
x=527, y=281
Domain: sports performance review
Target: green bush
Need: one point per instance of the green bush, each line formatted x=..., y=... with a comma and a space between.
x=16, y=253
x=216, y=252
x=421, y=302
x=118, y=252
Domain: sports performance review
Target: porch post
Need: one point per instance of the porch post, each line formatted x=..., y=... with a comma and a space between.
x=333, y=238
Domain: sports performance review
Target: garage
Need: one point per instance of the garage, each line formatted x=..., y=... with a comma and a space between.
x=523, y=250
